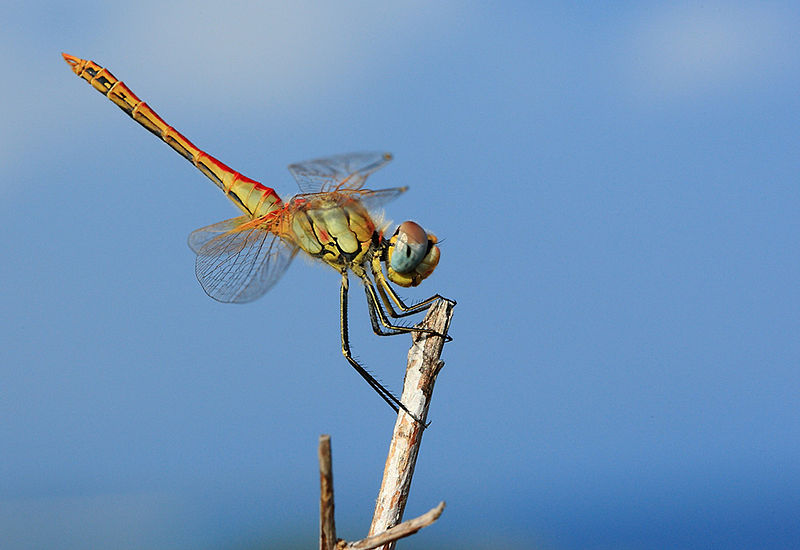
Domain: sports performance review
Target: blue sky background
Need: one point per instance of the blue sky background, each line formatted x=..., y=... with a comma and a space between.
x=617, y=191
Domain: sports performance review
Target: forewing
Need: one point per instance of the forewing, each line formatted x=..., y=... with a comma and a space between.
x=375, y=199
x=243, y=263
x=348, y=171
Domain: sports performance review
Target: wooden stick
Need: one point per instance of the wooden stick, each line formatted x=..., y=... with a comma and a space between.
x=398, y=531
x=327, y=526
x=423, y=367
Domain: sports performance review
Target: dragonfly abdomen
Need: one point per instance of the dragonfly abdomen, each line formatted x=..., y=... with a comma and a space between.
x=251, y=196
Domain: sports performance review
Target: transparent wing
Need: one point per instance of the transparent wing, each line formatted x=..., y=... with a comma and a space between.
x=348, y=171
x=241, y=264
x=375, y=199
x=200, y=237
x=370, y=199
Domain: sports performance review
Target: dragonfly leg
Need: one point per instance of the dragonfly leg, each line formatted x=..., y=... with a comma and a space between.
x=385, y=394
x=378, y=317
x=389, y=296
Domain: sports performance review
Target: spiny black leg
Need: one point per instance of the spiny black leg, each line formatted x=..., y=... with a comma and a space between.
x=373, y=318
x=387, y=292
x=373, y=305
x=377, y=315
x=389, y=297
x=385, y=394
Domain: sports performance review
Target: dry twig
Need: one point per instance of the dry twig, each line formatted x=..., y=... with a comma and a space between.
x=398, y=531
x=423, y=367
x=327, y=526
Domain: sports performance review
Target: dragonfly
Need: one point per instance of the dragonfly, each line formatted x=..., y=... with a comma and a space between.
x=330, y=220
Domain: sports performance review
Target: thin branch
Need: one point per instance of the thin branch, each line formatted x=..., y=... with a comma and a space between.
x=327, y=526
x=398, y=531
x=423, y=367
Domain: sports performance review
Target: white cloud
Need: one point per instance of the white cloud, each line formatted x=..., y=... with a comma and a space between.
x=256, y=56
x=275, y=52
x=694, y=50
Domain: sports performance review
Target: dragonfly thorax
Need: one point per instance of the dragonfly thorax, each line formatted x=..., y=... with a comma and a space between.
x=338, y=232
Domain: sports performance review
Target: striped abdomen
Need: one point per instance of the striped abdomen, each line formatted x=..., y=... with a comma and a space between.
x=249, y=195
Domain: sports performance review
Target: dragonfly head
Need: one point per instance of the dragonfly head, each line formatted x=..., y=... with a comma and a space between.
x=412, y=255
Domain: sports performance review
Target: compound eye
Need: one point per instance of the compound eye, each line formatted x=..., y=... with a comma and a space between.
x=410, y=247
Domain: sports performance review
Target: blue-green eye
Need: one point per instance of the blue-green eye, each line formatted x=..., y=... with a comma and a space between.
x=410, y=247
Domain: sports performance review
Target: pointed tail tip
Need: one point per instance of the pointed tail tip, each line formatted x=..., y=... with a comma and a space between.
x=71, y=60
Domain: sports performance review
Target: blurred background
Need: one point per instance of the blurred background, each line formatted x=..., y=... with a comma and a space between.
x=617, y=193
